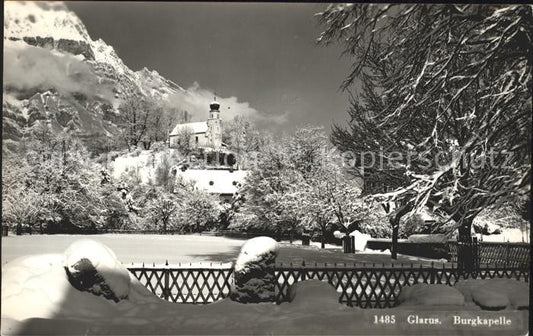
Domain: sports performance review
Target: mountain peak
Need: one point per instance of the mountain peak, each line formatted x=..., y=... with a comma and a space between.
x=43, y=19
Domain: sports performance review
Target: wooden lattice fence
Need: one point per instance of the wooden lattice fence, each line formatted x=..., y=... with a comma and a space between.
x=507, y=254
x=186, y=285
x=378, y=286
x=366, y=286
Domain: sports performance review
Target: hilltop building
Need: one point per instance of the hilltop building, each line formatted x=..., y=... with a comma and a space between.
x=203, y=134
x=222, y=182
x=220, y=178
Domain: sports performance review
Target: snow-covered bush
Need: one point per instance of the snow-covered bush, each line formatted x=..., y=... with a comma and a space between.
x=254, y=271
x=94, y=268
x=430, y=295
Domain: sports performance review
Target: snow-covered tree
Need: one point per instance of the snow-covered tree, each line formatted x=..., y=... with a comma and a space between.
x=163, y=173
x=369, y=150
x=184, y=144
x=114, y=210
x=198, y=210
x=268, y=187
x=331, y=195
x=160, y=122
x=162, y=210
x=20, y=205
x=300, y=182
x=454, y=83
x=58, y=182
x=240, y=135
x=135, y=112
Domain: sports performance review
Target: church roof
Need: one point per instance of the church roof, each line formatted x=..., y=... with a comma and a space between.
x=214, y=105
x=196, y=127
x=215, y=181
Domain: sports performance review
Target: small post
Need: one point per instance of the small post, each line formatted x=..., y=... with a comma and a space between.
x=432, y=279
x=166, y=287
x=507, y=248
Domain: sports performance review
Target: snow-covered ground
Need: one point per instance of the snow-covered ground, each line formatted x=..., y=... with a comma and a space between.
x=136, y=249
x=37, y=298
x=132, y=248
x=508, y=235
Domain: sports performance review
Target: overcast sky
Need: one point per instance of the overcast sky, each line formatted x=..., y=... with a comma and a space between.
x=263, y=54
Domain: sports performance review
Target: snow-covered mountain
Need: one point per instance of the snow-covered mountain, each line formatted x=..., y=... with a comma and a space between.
x=54, y=71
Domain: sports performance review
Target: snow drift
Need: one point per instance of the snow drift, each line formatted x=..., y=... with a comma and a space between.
x=37, y=298
x=38, y=286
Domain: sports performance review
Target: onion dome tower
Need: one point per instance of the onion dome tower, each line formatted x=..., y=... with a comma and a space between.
x=214, y=125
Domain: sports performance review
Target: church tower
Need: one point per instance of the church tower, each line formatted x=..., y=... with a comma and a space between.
x=214, y=126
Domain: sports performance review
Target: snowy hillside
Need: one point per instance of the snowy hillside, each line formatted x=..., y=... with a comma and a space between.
x=139, y=165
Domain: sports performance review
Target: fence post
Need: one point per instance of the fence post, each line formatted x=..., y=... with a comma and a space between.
x=475, y=257
x=432, y=279
x=166, y=287
x=346, y=244
x=507, y=248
